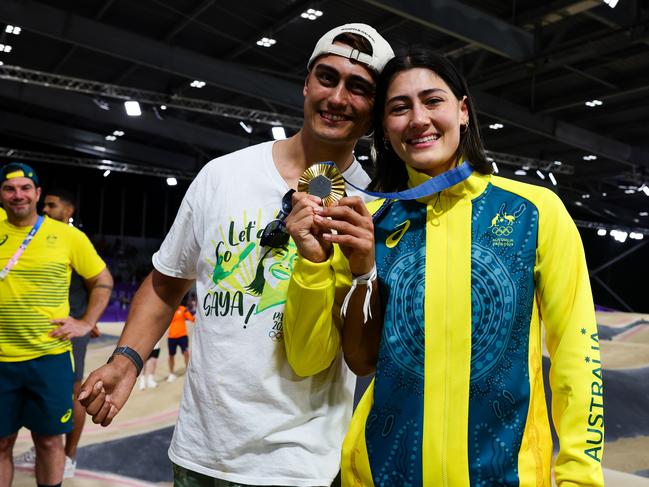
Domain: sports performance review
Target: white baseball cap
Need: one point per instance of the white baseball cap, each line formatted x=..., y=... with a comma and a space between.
x=381, y=50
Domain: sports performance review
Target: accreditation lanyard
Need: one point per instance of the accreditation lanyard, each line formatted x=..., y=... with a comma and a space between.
x=19, y=252
x=431, y=186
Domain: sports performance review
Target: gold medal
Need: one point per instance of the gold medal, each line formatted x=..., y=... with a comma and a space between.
x=323, y=180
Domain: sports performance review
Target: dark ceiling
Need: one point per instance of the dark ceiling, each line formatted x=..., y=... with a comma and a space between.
x=531, y=64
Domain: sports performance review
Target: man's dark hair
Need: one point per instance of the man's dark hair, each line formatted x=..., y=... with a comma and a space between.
x=63, y=194
x=390, y=172
x=355, y=41
x=358, y=42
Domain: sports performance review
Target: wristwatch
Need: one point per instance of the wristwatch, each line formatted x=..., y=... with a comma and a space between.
x=131, y=354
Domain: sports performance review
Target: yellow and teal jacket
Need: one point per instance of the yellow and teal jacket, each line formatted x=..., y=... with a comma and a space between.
x=466, y=278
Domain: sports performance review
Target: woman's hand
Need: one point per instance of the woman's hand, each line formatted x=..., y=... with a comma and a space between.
x=354, y=232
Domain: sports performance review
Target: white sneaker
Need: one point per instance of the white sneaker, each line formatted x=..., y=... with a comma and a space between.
x=142, y=383
x=172, y=377
x=150, y=382
x=27, y=459
x=70, y=467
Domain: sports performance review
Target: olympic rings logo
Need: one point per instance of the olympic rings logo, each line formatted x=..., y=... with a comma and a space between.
x=502, y=231
x=276, y=336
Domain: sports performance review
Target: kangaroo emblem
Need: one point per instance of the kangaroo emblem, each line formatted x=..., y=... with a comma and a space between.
x=501, y=224
x=504, y=218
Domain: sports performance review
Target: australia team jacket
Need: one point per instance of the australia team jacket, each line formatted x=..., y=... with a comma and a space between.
x=467, y=277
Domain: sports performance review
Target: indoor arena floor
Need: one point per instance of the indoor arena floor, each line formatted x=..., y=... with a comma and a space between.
x=133, y=450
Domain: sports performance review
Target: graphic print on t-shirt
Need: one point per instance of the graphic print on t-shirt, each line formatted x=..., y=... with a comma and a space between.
x=247, y=279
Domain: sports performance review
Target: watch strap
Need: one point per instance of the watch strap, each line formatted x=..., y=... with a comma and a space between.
x=131, y=354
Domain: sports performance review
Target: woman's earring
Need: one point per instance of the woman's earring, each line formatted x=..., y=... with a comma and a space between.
x=464, y=128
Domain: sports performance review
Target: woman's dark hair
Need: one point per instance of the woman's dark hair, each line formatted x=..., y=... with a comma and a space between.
x=390, y=172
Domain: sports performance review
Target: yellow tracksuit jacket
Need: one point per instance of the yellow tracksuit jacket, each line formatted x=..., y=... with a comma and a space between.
x=466, y=276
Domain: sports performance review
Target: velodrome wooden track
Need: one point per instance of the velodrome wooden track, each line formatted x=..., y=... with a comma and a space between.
x=132, y=451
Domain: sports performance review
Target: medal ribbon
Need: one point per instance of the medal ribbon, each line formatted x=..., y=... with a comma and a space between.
x=19, y=252
x=432, y=186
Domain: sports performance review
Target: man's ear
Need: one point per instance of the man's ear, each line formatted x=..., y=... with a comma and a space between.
x=69, y=211
x=306, y=82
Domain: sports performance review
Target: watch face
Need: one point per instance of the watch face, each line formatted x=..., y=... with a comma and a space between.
x=323, y=180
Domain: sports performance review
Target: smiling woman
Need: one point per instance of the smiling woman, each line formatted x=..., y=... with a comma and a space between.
x=423, y=120
x=448, y=317
x=425, y=116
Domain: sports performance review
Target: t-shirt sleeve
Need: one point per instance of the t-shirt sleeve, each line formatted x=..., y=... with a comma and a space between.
x=568, y=314
x=84, y=259
x=179, y=252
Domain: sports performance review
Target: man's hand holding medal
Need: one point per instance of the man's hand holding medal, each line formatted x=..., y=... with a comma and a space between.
x=323, y=215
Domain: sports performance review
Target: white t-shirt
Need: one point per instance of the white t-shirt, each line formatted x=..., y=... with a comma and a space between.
x=245, y=417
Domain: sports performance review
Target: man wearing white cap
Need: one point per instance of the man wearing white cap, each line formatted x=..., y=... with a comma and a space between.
x=246, y=417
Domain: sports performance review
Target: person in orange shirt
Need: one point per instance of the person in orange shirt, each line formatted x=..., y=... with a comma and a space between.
x=178, y=338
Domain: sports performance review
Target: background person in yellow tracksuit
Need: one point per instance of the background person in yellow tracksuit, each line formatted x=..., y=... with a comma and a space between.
x=454, y=334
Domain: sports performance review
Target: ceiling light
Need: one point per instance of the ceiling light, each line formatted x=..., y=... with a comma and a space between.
x=163, y=107
x=132, y=108
x=5, y=48
x=363, y=157
x=13, y=29
x=644, y=188
x=197, y=84
x=99, y=148
x=106, y=173
x=495, y=166
x=629, y=191
x=266, y=42
x=590, y=157
x=1, y=63
x=579, y=203
x=540, y=174
x=619, y=235
x=118, y=133
x=172, y=181
x=644, y=213
x=594, y=103
x=601, y=232
x=279, y=133
x=636, y=236
x=70, y=221
x=557, y=163
x=520, y=172
x=246, y=127
x=552, y=178
x=111, y=138
x=496, y=126
x=611, y=3
x=311, y=14
x=585, y=196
